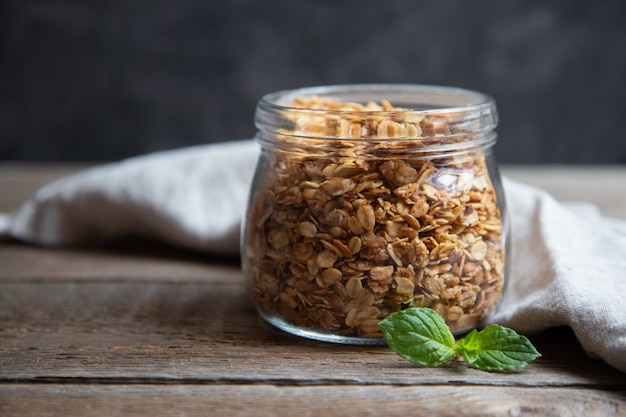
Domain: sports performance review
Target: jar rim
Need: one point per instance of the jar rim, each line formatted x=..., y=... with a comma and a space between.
x=431, y=99
x=466, y=112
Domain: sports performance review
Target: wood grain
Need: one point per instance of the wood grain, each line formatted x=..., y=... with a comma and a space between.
x=200, y=325
x=270, y=400
x=136, y=328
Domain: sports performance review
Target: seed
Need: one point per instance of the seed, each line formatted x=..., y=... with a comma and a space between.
x=479, y=250
x=337, y=186
x=354, y=287
x=307, y=229
x=365, y=215
x=326, y=259
x=328, y=277
x=355, y=244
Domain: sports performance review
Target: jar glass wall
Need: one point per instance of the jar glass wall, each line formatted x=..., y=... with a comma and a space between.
x=369, y=199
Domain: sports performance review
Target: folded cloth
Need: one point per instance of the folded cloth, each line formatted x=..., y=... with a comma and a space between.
x=193, y=197
x=566, y=268
x=566, y=265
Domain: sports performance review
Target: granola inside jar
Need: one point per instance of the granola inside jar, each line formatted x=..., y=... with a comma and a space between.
x=369, y=199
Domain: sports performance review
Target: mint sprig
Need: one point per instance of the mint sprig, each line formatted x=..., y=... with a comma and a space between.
x=416, y=334
x=421, y=336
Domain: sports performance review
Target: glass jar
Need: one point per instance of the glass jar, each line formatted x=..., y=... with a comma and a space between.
x=360, y=208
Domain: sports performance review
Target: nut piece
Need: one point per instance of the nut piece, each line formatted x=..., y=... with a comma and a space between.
x=336, y=243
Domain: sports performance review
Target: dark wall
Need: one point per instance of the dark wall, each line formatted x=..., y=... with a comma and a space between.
x=103, y=80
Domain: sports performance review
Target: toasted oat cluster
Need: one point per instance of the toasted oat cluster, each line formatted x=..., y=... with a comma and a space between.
x=335, y=242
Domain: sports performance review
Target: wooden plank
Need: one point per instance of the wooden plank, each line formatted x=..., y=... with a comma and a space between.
x=209, y=331
x=137, y=328
x=265, y=400
x=19, y=180
x=126, y=260
x=602, y=185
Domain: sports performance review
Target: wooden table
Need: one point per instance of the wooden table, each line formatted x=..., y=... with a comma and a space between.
x=138, y=329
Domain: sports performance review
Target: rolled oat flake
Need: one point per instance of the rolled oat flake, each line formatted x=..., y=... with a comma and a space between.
x=369, y=199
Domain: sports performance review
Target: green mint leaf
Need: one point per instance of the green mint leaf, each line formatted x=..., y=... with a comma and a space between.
x=469, y=347
x=496, y=348
x=419, y=335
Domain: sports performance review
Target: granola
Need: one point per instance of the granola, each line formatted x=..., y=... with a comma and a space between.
x=359, y=221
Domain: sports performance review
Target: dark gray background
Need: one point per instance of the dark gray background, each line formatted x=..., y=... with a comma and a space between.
x=104, y=80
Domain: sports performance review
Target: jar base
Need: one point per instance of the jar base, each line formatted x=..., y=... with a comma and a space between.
x=319, y=336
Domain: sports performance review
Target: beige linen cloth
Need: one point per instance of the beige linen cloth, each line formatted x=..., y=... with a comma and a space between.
x=567, y=265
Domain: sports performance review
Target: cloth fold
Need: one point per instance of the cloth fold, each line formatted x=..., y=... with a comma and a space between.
x=193, y=197
x=566, y=264
x=566, y=268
